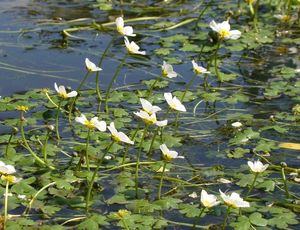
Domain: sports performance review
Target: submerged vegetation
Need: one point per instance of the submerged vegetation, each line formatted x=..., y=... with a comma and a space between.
x=209, y=146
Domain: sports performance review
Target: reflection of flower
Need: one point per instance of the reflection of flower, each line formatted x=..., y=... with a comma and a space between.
x=223, y=30
x=257, y=166
x=61, y=90
x=208, y=200
x=6, y=169
x=198, y=69
x=296, y=109
x=148, y=107
x=118, y=136
x=132, y=47
x=174, y=103
x=234, y=200
x=124, y=30
x=167, y=70
x=90, y=66
x=150, y=119
x=93, y=123
x=168, y=154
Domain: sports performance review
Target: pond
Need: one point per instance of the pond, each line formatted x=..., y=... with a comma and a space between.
x=84, y=145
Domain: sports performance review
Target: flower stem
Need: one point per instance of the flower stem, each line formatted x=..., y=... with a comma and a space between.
x=75, y=98
x=56, y=120
x=87, y=150
x=252, y=185
x=8, y=143
x=152, y=87
x=285, y=182
x=112, y=81
x=44, y=152
x=6, y=203
x=39, y=160
x=216, y=63
x=98, y=73
x=199, y=216
x=161, y=180
x=138, y=161
x=91, y=183
x=183, y=96
x=225, y=219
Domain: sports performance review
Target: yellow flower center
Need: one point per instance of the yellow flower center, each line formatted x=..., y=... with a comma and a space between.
x=89, y=124
x=63, y=95
x=8, y=178
x=206, y=203
x=223, y=33
x=122, y=213
x=120, y=29
x=285, y=18
x=116, y=138
x=22, y=108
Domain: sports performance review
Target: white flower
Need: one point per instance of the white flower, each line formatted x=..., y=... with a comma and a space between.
x=61, y=90
x=257, y=166
x=167, y=70
x=169, y=154
x=150, y=119
x=208, y=200
x=223, y=30
x=174, y=103
x=125, y=31
x=198, y=69
x=234, y=200
x=148, y=107
x=193, y=195
x=93, y=123
x=90, y=66
x=237, y=124
x=6, y=169
x=284, y=18
x=22, y=197
x=118, y=136
x=132, y=47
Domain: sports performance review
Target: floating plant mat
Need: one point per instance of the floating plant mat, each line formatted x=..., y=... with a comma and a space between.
x=221, y=150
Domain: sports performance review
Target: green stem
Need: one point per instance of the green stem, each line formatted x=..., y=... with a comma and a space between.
x=253, y=183
x=44, y=152
x=127, y=147
x=161, y=180
x=203, y=11
x=255, y=17
x=183, y=96
x=39, y=160
x=152, y=87
x=78, y=91
x=285, y=182
x=56, y=120
x=112, y=81
x=124, y=223
x=91, y=184
x=138, y=161
x=8, y=143
x=87, y=150
x=156, y=131
x=199, y=216
x=225, y=219
x=216, y=63
x=6, y=203
x=98, y=91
